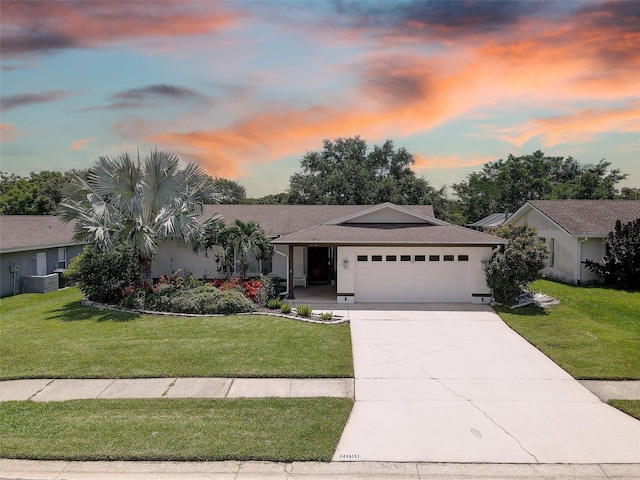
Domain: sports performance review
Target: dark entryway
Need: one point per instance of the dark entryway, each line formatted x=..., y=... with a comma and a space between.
x=320, y=265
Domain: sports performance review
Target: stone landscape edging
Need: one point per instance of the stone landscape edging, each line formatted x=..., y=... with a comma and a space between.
x=117, y=308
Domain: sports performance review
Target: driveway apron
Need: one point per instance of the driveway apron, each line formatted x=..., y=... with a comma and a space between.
x=447, y=385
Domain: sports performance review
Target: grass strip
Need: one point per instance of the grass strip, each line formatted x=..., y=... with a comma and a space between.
x=273, y=429
x=630, y=407
x=53, y=336
x=593, y=334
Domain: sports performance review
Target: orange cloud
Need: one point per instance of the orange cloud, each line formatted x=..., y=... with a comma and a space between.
x=581, y=126
x=90, y=24
x=9, y=133
x=449, y=161
x=80, y=144
x=536, y=60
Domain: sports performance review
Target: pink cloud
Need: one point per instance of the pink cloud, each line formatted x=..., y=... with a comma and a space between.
x=9, y=133
x=80, y=144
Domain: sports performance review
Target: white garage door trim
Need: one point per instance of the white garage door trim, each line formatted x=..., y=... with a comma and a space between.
x=413, y=275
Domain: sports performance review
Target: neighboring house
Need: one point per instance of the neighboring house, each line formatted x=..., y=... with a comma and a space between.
x=574, y=231
x=33, y=249
x=381, y=253
x=490, y=221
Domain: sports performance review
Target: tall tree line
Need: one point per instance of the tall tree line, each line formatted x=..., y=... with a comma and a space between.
x=346, y=171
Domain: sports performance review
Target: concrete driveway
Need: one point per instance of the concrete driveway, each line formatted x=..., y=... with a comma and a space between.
x=453, y=383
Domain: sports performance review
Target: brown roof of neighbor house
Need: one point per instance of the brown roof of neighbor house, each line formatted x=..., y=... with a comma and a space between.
x=403, y=234
x=285, y=219
x=588, y=217
x=33, y=232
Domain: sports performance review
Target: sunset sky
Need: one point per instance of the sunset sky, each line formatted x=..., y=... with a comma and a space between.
x=246, y=88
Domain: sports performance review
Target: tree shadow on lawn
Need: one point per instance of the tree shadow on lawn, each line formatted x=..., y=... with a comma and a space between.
x=76, y=312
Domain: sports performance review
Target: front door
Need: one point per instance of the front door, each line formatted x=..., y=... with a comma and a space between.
x=318, y=264
x=41, y=263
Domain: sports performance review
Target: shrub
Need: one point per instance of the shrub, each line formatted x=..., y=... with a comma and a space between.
x=326, y=316
x=272, y=286
x=274, y=303
x=304, y=310
x=516, y=264
x=285, y=308
x=104, y=276
x=232, y=302
x=621, y=265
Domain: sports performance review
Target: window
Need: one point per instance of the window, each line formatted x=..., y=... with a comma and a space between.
x=434, y=258
x=449, y=258
x=391, y=258
x=463, y=258
x=252, y=266
x=376, y=258
x=419, y=258
x=62, y=258
x=405, y=258
x=363, y=258
x=552, y=252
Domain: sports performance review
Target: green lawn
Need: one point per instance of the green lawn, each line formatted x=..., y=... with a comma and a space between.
x=632, y=407
x=593, y=334
x=272, y=429
x=53, y=336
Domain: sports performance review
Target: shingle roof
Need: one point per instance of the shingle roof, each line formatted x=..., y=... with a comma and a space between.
x=285, y=219
x=588, y=217
x=402, y=234
x=32, y=232
x=29, y=232
x=492, y=220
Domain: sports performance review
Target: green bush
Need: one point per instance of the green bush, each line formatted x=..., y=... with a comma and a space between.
x=285, y=308
x=203, y=299
x=104, y=276
x=272, y=286
x=516, y=264
x=274, y=303
x=326, y=316
x=304, y=310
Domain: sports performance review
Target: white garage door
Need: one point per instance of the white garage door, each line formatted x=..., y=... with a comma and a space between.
x=427, y=275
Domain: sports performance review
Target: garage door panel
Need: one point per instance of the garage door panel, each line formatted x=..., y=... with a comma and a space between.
x=414, y=281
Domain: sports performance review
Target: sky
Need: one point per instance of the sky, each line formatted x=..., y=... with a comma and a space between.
x=246, y=88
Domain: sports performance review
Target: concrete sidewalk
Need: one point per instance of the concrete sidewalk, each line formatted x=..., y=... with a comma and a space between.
x=47, y=390
x=56, y=470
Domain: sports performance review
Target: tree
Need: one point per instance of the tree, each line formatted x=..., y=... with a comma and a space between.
x=506, y=185
x=345, y=173
x=230, y=191
x=621, y=265
x=238, y=239
x=39, y=194
x=139, y=205
x=517, y=263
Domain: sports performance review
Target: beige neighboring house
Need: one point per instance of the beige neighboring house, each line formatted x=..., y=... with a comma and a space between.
x=368, y=253
x=34, y=249
x=574, y=231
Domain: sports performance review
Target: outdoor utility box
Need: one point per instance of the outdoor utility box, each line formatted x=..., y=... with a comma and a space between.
x=40, y=283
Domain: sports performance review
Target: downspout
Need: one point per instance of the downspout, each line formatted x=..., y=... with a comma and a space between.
x=287, y=257
x=579, y=261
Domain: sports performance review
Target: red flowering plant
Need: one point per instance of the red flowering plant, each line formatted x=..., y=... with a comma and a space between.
x=252, y=289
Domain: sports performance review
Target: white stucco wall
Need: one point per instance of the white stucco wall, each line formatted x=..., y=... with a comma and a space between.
x=566, y=265
x=172, y=257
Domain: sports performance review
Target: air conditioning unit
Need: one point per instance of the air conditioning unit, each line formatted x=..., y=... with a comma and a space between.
x=14, y=268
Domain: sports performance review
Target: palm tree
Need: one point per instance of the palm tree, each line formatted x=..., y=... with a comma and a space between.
x=140, y=204
x=241, y=239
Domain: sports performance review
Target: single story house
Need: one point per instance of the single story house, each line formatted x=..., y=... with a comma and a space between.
x=574, y=231
x=33, y=250
x=379, y=253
